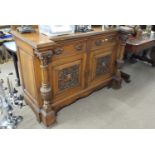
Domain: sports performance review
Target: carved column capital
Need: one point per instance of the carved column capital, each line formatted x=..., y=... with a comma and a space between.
x=124, y=33
x=123, y=38
x=44, y=57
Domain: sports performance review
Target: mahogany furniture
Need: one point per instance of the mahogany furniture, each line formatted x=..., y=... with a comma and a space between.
x=55, y=72
x=142, y=44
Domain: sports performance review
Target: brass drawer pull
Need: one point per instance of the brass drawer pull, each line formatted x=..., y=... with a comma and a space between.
x=99, y=42
x=58, y=51
x=106, y=39
x=79, y=47
x=110, y=38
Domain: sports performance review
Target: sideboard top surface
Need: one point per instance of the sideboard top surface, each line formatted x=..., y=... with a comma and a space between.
x=38, y=40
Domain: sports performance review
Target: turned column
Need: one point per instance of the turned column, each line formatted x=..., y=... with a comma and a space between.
x=47, y=113
x=117, y=79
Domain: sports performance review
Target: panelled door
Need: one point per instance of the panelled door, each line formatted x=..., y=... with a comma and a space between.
x=101, y=65
x=68, y=76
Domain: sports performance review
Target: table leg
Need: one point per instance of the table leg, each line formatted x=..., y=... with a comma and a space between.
x=144, y=57
x=15, y=61
x=1, y=60
x=152, y=56
x=5, y=54
x=125, y=77
x=132, y=59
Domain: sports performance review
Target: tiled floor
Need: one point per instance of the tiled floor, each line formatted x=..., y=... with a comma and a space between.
x=133, y=106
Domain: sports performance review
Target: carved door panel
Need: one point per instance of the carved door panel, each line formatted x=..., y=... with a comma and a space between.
x=68, y=76
x=101, y=65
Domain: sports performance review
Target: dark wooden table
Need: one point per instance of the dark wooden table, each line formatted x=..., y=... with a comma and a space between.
x=144, y=45
x=142, y=48
x=11, y=48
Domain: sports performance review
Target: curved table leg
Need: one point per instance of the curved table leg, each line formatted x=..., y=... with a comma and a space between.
x=152, y=56
x=144, y=57
x=125, y=77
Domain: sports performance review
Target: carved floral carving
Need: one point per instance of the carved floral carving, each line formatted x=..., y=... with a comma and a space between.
x=79, y=47
x=68, y=77
x=102, y=65
x=44, y=57
x=58, y=51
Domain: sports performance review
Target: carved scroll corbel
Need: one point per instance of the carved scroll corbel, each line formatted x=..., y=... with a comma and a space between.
x=123, y=38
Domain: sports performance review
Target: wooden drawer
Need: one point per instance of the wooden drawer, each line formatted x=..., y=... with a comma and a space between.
x=65, y=50
x=103, y=41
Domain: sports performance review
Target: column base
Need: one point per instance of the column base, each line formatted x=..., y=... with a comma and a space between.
x=116, y=82
x=48, y=118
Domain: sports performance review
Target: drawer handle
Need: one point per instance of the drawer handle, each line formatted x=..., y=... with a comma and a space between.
x=78, y=47
x=99, y=42
x=110, y=38
x=106, y=40
x=58, y=51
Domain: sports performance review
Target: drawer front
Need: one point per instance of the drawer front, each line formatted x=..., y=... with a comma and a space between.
x=103, y=41
x=69, y=49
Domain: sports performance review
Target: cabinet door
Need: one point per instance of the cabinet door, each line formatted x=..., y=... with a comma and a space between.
x=101, y=65
x=68, y=76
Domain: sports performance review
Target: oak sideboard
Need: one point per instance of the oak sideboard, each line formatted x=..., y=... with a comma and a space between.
x=57, y=71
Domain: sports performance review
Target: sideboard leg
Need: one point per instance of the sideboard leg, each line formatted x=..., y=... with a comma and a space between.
x=117, y=79
x=119, y=76
x=48, y=118
x=116, y=82
x=47, y=113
